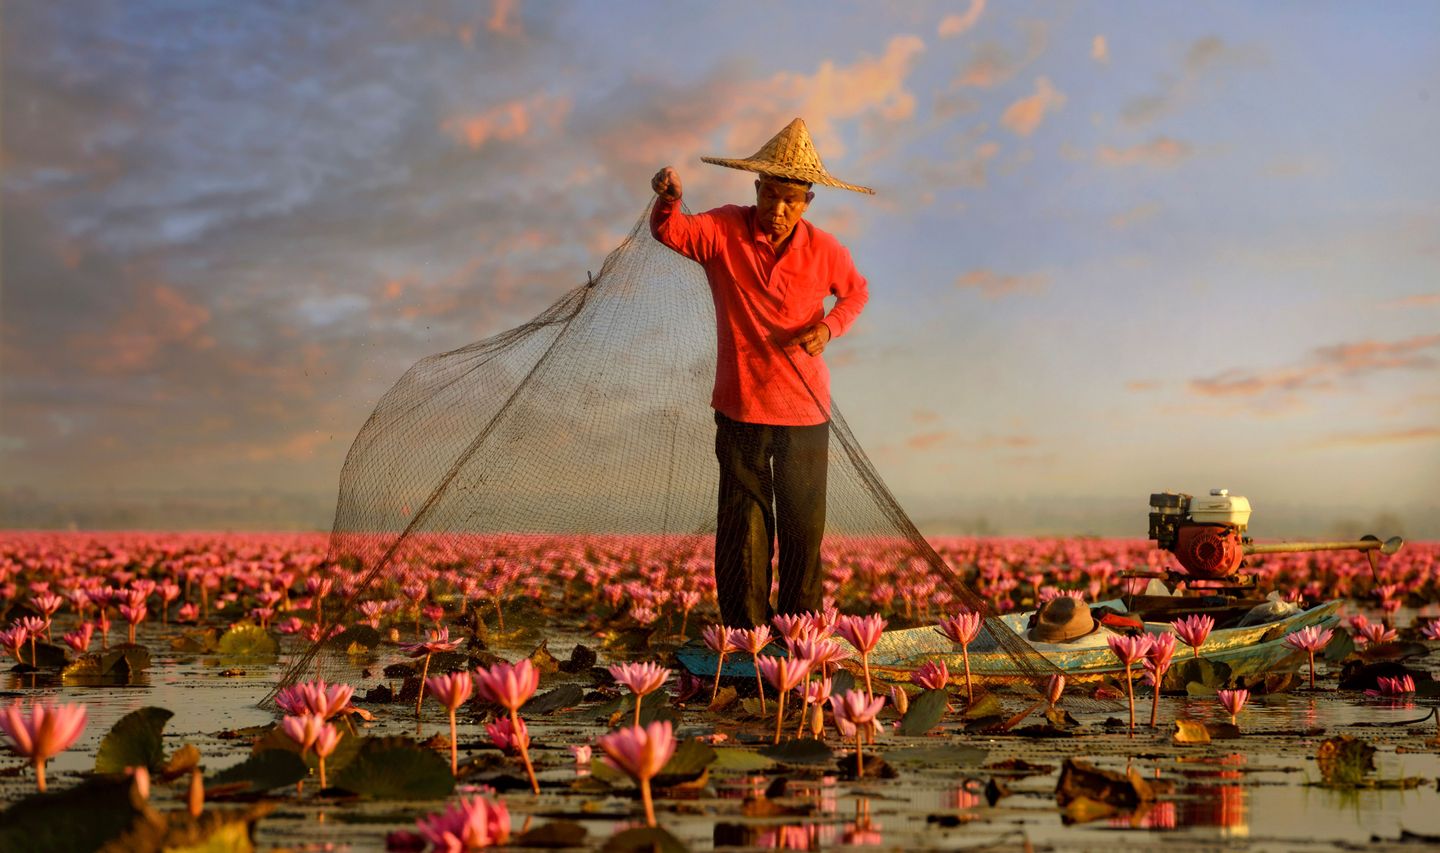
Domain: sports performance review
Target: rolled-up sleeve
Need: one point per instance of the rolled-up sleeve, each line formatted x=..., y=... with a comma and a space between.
x=695, y=236
x=851, y=293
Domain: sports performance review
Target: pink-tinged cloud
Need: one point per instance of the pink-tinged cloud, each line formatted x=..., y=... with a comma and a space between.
x=928, y=440
x=1135, y=216
x=1323, y=369
x=1142, y=385
x=507, y=121
x=924, y=416
x=1371, y=439
x=504, y=18
x=993, y=285
x=1160, y=152
x=954, y=25
x=1100, y=50
x=1416, y=301
x=159, y=317
x=992, y=64
x=1025, y=115
x=296, y=447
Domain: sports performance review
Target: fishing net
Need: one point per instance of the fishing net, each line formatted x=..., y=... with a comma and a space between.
x=578, y=451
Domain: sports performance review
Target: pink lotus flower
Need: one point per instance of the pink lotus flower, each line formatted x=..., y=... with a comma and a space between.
x=582, y=753
x=640, y=753
x=1375, y=634
x=721, y=640
x=1194, y=630
x=1310, y=640
x=784, y=674
x=14, y=639
x=511, y=685
x=1157, y=663
x=438, y=641
x=862, y=632
x=962, y=629
x=642, y=679
x=853, y=711
x=934, y=675
x=469, y=824
x=303, y=729
x=1232, y=701
x=48, y=731
x=1431, y=630
x=507, y=737
x=452, y=691
x=1129, y=650
x=315, y=697
x=79, y=639
x=1400, y=685
x=753, y=640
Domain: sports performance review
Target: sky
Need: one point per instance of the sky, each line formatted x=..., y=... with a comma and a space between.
x=1114, y=249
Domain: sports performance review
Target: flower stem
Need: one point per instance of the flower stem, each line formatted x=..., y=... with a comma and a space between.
x=454, y=757
x=40, y=775
x=649, y=802
x=969, y=688
x=759, y=684
x=524, y=750
x=1312, y=669
x=779, y=713
x=859, y=756
x=420, y=697
x=715, y=691
x=1130, y=694
x=323, y=786
x=865, y=662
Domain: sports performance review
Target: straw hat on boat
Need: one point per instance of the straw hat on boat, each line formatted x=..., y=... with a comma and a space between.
x=1061, y=620
x=788, y=154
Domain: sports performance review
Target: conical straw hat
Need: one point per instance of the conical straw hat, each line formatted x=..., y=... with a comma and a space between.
x=789, y=154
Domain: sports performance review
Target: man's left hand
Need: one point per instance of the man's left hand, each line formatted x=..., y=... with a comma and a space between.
x=813, y=339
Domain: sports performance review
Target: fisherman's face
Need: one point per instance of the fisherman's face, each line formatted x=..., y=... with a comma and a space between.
x=779, y=206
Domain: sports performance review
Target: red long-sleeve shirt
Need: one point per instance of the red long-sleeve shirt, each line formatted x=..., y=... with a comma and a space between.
x=761, y=304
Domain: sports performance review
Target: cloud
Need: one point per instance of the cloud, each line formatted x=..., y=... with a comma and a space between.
x=940, y=438
x=924, y=416
x=505, y=18
x=160, y=317
x=992, y=64
x=994, y=285
x=1204, y=58
x=1370, y=439
x=1025, y=115
x=1100, y=50
x=1325, y=368
x=1160, y=152
x=954, y=25
x=507, y=121
x=1142, y=385
x=1136, y=215
x=928, y=440
x=1415, y=301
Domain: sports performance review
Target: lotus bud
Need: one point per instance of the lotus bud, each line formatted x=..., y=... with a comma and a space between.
x=901, y=700
x=817, y=720
x=195, y=798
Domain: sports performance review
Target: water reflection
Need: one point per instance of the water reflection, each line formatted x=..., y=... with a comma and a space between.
x=860, y=831
x=968, y=794
x=1212, y=794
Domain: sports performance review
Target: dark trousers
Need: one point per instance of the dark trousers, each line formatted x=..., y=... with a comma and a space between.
x=772, y=486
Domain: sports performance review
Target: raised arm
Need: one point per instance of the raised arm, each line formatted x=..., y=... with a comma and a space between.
x=692, y=236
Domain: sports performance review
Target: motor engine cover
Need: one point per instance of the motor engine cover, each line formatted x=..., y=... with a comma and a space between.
x=1209, y=550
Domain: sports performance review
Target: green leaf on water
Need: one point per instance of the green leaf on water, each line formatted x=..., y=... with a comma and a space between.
x=361, y=635
x=564, y=696
x=1340, y=647
x=395, y=768
x=988, y=705
x=689, y=761
x=80, y=818
x=248, y=642
x=740, y=760
x=273, y=768
x=134, y=741
x=644, y=840
x=805, y=751
x=47, y=656
x=924, y=713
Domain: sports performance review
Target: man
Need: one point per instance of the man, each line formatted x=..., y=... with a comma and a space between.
x=769, y=273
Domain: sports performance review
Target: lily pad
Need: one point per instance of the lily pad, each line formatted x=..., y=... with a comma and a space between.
x=79, y=819
x=394, y=768
x=118, y=665
x=200, y=642
x=1340, y=647
x=134, y=741
x=690, y=760
x=356, y=635
x=345, y=751
x=1207, y=673
x=562, y=697
x=804, y=751
x=556, y=833
x=1190, y=732
x=273, y=768
x=644, y=840
x=925, y=712
x=1345, y=761
x=47, y=656
x=741, y=760
x=988, y=705
x=248, y=642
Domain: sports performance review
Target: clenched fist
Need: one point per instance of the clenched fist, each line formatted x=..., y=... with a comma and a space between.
x=666, y=184
x=813, y=339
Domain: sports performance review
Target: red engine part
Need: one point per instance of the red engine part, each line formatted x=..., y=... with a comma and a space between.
x=1210, y=551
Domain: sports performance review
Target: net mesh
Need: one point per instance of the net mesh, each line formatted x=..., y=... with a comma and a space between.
x=579, y=450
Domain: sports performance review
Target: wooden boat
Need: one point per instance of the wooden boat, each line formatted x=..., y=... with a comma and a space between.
x=1247, y=651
